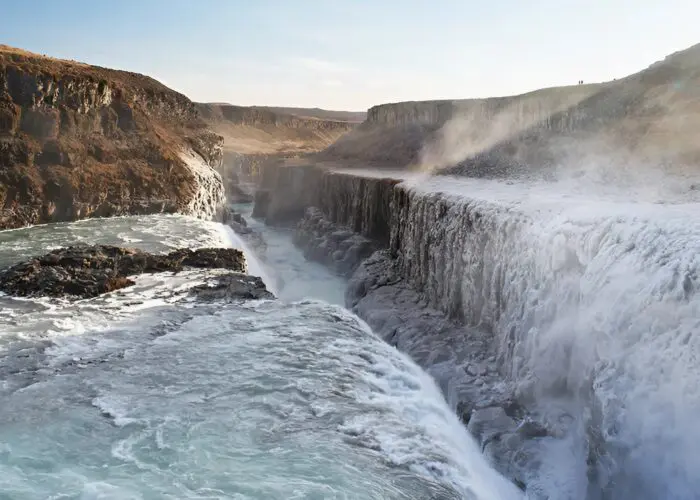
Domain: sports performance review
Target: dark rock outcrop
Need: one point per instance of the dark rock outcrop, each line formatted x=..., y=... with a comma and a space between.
x=331, y=244
x=88, y=271
x=232, y=287
x=81, y=141
x=237, y=191
x=240, y=226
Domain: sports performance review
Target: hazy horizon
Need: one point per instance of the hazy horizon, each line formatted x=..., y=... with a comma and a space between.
x=351, y=56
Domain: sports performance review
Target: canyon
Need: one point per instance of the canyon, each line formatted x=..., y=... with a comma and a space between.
x=257, y=136
x=535, y=254
x=525, y=249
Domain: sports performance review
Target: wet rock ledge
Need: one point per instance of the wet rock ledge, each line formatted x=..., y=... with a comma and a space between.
x=89, y=271
x=334, y=245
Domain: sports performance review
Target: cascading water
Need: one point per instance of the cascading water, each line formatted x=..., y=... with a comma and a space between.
x=255, y=266
x=593, y=305
x=145, y=393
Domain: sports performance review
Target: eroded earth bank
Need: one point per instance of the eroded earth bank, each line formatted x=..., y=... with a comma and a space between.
x=80, y=141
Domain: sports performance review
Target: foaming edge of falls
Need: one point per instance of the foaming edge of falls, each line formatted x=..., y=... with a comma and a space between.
x=411, y=423
x=591, y=304
x=111, y=408
x=580, y=305
x=254, y=264
x=397, y=383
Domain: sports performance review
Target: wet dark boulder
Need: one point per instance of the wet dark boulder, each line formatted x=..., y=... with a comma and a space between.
x=232, y=287
x=229, y=217
x=89, y=271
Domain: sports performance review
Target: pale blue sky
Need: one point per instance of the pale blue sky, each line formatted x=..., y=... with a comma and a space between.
x=355, y=53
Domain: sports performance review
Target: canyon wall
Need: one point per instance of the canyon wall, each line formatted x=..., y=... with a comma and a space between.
x=262, y=117
x=319, y=113
x=258, y=136
x=515, y=298
x=559, y=318
x=640, y=122
x=81, y=141
x=253, y=130
x=360, y=203
x=431, y=132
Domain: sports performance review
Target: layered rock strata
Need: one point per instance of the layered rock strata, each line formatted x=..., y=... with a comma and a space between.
x=334, y=245
x=359, y=203
x=502, y=302
x=81, y=141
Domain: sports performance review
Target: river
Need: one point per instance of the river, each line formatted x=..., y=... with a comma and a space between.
x=147, y=394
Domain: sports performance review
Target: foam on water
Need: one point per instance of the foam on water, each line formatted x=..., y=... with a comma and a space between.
x=144, y=393
x=255, y=266
x=264, y=401
x=593, y=301
x=293, y=277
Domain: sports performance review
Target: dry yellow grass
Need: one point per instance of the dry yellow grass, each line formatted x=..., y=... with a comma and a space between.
x=251, y=130
x=649, y=118
x=32, y=63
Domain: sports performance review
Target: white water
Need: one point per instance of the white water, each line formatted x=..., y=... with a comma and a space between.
x=254, y=266
x=593, y=301
x=147, y=394
x=290, y=274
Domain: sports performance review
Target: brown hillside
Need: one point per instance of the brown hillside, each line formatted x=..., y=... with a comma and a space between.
x=270, y=131
x=79, y=140
x=322, y=114
x=651, y=118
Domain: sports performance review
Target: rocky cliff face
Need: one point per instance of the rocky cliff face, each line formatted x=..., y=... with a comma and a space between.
x=510, y=303
x=358, y=203
x=523, y=111
x=646, y=120
x=256, y=116
x=80, y=141
x=430, y=132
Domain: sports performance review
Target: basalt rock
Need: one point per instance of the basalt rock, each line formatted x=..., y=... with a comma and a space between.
x=81, y=141
x=232, y=217
x=233, y=287
x=240, y=226
x=88, y=271
x=331, y=244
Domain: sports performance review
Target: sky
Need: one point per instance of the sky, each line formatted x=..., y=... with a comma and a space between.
x=352, y=54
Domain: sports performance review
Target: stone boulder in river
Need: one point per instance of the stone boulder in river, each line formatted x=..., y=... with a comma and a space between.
x=88, y=271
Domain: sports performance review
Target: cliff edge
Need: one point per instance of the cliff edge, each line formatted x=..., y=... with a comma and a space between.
x=256, y=136
x=646, y=119
x=81, y=141
x=279, y=131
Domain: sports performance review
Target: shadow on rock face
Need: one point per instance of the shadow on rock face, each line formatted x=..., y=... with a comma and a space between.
x=334, y=245
x=240, y=226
